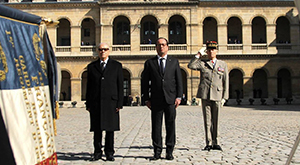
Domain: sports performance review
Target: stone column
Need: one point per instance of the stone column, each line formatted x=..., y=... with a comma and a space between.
x=222, y=37
x=200, y=34
x=247, y=38
x=192, y=84
x=271, y=38
x=106, y=31
x=194, y=40
x=136, y=86
x=135, y=38
x=194, y=30
x=163, y=31
x=76, y=89
x=272, y=87
x=52, y=35
x=189, y=88
x=98, y=34
x=295, y=37
x=75, y=39
x=296, y=88
x=248, y=87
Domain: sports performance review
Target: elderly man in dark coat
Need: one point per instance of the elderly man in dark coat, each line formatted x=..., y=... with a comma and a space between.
x=104, y=99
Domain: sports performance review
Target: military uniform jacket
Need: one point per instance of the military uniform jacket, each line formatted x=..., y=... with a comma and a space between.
x=214, y=81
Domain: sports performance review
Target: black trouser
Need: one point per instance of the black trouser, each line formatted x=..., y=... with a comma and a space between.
x=109, y=142
x=157, y=117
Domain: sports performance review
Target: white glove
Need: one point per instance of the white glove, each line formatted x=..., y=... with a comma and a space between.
x=223, y=102
x=202, y=51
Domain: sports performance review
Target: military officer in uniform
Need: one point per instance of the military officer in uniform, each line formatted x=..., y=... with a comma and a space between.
x=213, y=91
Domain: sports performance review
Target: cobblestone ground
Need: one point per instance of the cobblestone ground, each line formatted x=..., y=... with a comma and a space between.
x=252, y=135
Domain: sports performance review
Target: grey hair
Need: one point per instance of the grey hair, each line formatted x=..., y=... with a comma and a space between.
x=101, y=44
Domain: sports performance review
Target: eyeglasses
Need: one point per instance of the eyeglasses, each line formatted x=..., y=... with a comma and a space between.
x=163, y=45
x=101, y=49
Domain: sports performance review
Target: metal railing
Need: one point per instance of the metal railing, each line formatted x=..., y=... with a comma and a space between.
x=63, y=48
x=259, y=46
x=87, y=48
x=283, y=46
x=148, y=47
x=121, y=48
x=177, y=47
x=235, y=47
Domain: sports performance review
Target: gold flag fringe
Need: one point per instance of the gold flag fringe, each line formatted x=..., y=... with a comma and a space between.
x=57, y=117
x=56, y=110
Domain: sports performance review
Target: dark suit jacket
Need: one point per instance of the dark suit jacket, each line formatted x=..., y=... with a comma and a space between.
x=163, y=88
x=104, y=94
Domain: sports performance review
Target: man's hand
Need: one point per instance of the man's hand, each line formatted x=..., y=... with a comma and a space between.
x=198, y=55
x=223, y=102
x=148, y=104
x=201, y=52
x=118, y=109
x=177, y=102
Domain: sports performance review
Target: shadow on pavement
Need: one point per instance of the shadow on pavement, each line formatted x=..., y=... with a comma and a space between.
x=151, y=147
x=73, y=156
x=136, y=157
x=268, y=107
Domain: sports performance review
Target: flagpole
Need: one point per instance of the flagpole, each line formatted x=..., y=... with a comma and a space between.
x=293, y=149
x=297, y=3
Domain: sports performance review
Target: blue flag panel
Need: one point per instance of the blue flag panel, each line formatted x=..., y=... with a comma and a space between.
x=28, y=90
x=22, y=61
x=19, y=15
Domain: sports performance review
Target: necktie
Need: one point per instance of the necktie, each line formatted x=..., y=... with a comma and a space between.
x=102, y=66
x=161, y=65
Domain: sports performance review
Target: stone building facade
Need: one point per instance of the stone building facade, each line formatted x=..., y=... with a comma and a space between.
x=259, y=40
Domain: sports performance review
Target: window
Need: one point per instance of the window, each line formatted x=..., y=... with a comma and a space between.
x=121, y=34
x=87, y=32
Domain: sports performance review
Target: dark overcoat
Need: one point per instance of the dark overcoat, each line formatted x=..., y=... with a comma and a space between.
x=104, y=94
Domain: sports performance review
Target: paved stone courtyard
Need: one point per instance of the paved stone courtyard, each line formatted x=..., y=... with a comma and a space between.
x=257, y=134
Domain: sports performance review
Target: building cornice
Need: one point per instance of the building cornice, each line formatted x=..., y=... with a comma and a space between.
x=179, y=56
x=89, y=4
x=148, y=3
x=246, y=3
x=46, y=5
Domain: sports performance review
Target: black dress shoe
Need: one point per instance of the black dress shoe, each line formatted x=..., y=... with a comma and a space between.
x=217, y=147
x=96, y=156
x=156, y=156
x=169, y=157
x=110, y=158
x=207, y=148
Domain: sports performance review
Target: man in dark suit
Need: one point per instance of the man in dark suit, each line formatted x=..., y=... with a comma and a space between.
x=104, y=99
x=162, y=92
x=213, y=91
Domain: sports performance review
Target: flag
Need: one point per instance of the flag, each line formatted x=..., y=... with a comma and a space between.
x=28, y=90
x=297, y=3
